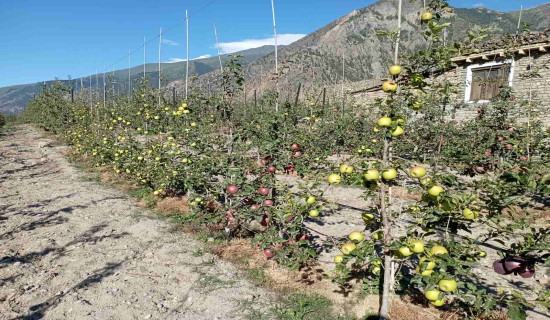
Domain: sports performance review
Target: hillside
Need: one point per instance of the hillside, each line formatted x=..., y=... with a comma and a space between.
x=13, y=99
x=317, y=58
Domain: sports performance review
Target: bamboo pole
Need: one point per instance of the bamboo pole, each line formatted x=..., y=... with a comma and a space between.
x=160, y=46
x=187, y=67
x=276, y=58
x=129, y=76
x=218, y=47
x=144, y=56
x=519, y=19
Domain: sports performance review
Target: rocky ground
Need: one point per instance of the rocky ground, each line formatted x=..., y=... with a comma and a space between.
x=74, y=249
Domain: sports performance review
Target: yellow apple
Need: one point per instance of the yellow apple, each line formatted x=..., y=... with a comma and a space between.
x=372, y=174
x=347, y=248
x=334, y=179
x=427, y=16
x=435, y=190
x=432, y=295
x=447, y=285
x=395, y=70
x=417, y=246
x=389, y=86
x=389, y=174
x=356, y=236
x=437, y=250
x=405, y=251
x=338, y=258
x=384, y=121
x=398, y=131
x=418, y=172
x=346, y=169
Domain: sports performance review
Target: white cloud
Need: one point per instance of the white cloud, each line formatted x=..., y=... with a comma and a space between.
x=170, y=42
x=282, y=39
x=478, y=5
x=172, y=60
x=204, y=56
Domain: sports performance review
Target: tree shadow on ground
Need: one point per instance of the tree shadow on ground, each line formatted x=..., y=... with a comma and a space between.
x=38, y=311
x=87, y=237
x=48, y=219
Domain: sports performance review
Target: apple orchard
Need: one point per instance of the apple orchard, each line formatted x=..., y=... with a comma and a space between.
x=477, y=191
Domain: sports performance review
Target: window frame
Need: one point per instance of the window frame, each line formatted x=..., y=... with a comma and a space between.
x=472, y=67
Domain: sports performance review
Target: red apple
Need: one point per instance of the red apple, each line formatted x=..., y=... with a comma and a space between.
x=271, y=169
x=488, y=153
x=232, y=189
x=268, y=253
x=263, y=191
x=302, y=237
x=255, y=207
x=295, y=147
x=509, y=146
x=527, y=272
x=268, y=203
x=298, y=154
x=523, y=158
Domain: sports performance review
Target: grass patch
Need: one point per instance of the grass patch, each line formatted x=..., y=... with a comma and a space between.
x=210, y=283
x=306, y=307
x=257, y=276
x=143, y=193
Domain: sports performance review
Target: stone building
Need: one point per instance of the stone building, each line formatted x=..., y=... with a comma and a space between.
x=519, y=61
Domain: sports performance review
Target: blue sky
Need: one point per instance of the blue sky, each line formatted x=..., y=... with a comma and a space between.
x=42, y=40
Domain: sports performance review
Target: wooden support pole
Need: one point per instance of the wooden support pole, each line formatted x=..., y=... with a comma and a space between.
x=297, y=95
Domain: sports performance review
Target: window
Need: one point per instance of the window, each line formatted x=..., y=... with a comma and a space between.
x=485, y=80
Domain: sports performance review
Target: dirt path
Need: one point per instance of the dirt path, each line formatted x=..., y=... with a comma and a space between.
x=71, y=249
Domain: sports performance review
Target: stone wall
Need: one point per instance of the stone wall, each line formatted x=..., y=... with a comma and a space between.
x=523, y=83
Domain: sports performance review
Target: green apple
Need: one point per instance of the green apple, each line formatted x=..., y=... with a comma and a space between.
x=398, y=131
x=346, y=169
x=418, y=172
x=311, y=200
x=469, y=214
x=430, y=264
x=435, y=190
x=356, y=236
x=438, y=303
x=424, y=273
x=372, y=175
x=367, y=216
x=313, y=213
x=347, y=248
x=384, y=122
x=395, y=70
x=427, y=16
x=432, y=295
x=447, y=285
x=405, y=251
x=483, y=254
x=417, y=246
x=334, y=179
x=417, y=105
x=437, y=250
x=338, y=258
x=378, y=235
x=389, y=174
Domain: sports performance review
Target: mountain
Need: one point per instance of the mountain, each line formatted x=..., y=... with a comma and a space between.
x=13, y=99
x=316, y=60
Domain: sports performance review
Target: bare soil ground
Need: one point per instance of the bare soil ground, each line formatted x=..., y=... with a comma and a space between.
x=73, y=249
